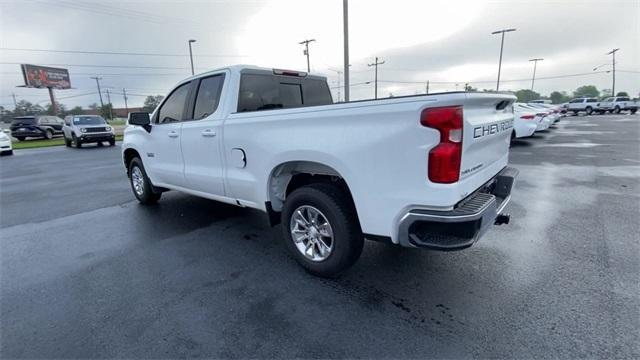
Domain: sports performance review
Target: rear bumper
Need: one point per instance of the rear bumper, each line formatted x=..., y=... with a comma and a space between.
x=461, y=227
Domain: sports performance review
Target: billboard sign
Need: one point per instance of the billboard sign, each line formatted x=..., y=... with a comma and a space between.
x=45, y=77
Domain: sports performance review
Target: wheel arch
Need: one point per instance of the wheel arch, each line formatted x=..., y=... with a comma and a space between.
x=128, y=155
x=290, y=175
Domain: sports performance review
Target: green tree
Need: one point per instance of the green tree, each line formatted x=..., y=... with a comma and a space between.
x=622, y=93
x=586, y=91
x=106, y=111
x=23, y=108
x=76, y=110
x=526, y=95
x=558, y=97
x=151, y=102
x=93, y=106
x=62, y=109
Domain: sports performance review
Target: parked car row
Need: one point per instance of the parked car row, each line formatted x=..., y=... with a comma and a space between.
x=76, y=129
x=613, y=104
x=531, y=117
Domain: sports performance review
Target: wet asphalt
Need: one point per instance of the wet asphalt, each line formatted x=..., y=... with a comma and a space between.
x=86, y=272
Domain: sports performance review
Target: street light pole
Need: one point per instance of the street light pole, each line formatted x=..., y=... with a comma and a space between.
x=535, y=64
x=306, y=51
x=613, y=64
x=345, y=21
x=191, y=56
x=501, y=48
x=376, y=77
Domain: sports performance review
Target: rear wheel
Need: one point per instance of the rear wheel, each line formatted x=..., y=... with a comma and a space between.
x=633, y=111
x=321, y=229
x=617, y=110
x=142, y=188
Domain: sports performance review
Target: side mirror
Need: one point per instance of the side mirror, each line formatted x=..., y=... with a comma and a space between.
x=140, y=119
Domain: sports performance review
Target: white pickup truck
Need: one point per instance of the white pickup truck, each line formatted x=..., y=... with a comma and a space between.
x=427, y=171
x=617, y=104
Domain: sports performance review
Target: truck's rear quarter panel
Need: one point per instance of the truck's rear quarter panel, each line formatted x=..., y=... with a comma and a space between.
x=378, y=147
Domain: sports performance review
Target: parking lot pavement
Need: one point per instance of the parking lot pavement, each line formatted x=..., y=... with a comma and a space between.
x=87, y=272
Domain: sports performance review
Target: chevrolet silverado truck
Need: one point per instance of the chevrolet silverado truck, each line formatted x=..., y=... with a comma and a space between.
x=617, y=104
x=424, y=171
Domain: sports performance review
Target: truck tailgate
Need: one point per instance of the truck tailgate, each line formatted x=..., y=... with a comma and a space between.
x=488, y=123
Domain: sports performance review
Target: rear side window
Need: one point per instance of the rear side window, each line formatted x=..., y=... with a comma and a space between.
x=623, y=99
x=172, y=109
x=208, y=96
x=592, y=100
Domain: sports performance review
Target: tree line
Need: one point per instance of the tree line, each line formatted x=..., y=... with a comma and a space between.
x=27, y=108
x=559, y=97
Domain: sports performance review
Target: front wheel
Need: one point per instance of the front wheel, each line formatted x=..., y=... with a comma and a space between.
x=112, y=142
x=617, y=110
x=321, y=229
x=67, y=142
x=77, y=141
x=589, y=110
x=20, y=138
x=141, y=185
x=48, y=134
x=633, y=111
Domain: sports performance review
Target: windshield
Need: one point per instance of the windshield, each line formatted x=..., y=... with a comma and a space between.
x=88, y=120
x=25, y=121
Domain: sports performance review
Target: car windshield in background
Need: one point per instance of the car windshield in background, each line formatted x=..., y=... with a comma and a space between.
x=88, y=120
x=24, y=121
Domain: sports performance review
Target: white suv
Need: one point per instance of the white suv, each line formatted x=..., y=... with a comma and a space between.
x=586, y=104
x=82, y=129
x=616, y=104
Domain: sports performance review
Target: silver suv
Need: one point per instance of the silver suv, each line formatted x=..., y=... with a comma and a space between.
x=83, y=129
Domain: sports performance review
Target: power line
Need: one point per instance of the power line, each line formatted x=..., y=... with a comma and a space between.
x=104, y=66
x=104, y=52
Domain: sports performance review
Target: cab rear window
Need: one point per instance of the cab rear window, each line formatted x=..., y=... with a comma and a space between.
x=266, y=92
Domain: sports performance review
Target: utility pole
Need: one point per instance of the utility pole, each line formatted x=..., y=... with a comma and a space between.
x=501, y=48
x=427, y=87
x=54, y=106
x=99, y=92
x=345, y=22
x=191, y=56
x=613, y=64
x=306, y=51
x=15, y=103
x=376, y=78
x=124, y=94
x=110, y=106
x=535, y=64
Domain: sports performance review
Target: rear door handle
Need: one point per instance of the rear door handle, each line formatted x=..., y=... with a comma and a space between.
x=208, y=133
x=173, y=134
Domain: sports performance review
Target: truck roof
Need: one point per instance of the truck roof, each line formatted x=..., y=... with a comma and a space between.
x=244, y=67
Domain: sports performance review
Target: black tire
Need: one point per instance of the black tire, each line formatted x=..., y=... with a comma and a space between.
x=20, y=138
x=112, y=142
x=6, y=153
x=48, y=134
x=149, y=194
x=100, y=144
x=67, y=142
x=633, y=111
x=336, y=207
x=617, y=110
x=76, y=141
x=589, y=110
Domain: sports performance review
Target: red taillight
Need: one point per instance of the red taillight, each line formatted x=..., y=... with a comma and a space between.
x=527, y=117
x=445, y=158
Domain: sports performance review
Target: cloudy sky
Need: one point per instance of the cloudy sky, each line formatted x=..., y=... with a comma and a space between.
x=448, y=43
